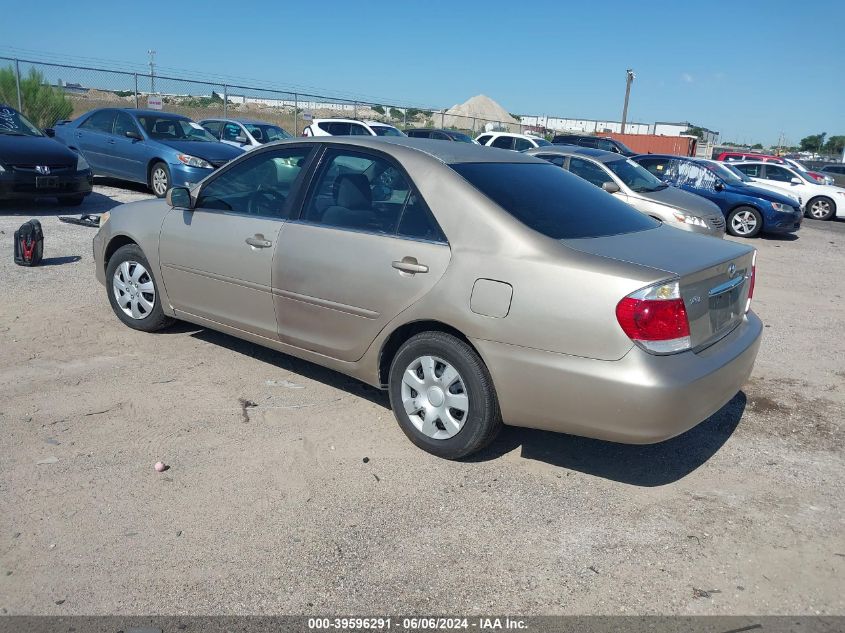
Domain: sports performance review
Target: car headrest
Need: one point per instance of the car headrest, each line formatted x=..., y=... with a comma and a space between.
x=163, y=127
x=353, y=191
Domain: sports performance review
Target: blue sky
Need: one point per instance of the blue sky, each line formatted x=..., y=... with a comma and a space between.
x=750, y=69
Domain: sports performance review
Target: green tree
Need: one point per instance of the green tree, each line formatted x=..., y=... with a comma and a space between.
x=835, y=145
x=396, y=114
x=757, y=146
x=813, y=143
x=379, y=109
x=41, y=103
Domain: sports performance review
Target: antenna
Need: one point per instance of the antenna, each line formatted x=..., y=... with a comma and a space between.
x=152, y=55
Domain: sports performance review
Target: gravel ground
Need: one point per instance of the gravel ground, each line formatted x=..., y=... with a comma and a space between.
x=314, y=502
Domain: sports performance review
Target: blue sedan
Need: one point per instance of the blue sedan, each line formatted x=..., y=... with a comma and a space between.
x=158, y=149
x=748, y=210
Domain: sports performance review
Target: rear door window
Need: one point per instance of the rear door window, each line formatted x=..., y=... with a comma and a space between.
x=552, y=201
x=356, y=129
x=753, y=171
x=101, y=121
x=503, y=142
x=589, y=171
x=483, y=139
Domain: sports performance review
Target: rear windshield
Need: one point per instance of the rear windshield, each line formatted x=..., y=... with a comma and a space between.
x=553, y=201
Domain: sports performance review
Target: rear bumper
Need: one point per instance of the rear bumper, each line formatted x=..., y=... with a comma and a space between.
x=19, y=185
x=639, y=399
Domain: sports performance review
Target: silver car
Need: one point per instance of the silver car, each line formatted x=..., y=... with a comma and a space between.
x=477, y=286
x=632, y=183
x=244, y=133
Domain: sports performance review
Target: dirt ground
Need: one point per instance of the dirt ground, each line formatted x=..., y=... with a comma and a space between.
x=314, y=502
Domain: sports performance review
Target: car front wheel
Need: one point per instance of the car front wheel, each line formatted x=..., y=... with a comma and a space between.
x=745, y=222
x=442, y=395
x=133, y=291
x=160, y=179
x=821, y=208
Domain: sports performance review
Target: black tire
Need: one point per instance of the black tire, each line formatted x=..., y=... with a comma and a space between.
x=159, y=169
x=738, y=232
x=483, y=419
x=154, y=319
x=72, y=201
x=821, y=202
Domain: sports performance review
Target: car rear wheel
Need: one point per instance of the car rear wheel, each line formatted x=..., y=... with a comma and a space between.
x=442, y=395
x=160, y=179
x=821, y=208
x=133, y=291
x=745, y=222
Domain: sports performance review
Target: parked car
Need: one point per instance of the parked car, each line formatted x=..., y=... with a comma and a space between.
x=632, y=183
x=244, y=133
x=33, y=165
x=824, y=179
x=822, y=202
x=509, y=140
x=836, y=172
x=768, y=158
x=596, y=142
x=349, y=127
x=734, y=156
x=476, y=286
x=158, y=149
x=777, y=188
x=439, y=134
x=749, y=210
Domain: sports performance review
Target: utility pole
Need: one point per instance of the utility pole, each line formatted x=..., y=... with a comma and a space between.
x=152, y=55
x=629, y=78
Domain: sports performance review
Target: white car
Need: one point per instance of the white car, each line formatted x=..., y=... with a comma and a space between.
x=349, y=127
x=509, y=140
x=821, y=202
x=244, y=133
x=818, y=177
x=780, y=188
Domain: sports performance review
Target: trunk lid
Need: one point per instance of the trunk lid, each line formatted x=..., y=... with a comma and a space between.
x=714, y=275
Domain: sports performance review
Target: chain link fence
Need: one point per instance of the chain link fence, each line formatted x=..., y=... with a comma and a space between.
x=51, y=92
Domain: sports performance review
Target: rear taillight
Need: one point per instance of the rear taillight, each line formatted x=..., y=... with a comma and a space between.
x=751, y=281
x=655, y=318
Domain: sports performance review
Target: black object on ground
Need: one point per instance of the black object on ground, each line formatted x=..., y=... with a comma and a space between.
x=29, y=244
x=84, y=220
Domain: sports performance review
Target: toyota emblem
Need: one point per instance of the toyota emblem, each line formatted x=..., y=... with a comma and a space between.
x=42, y=169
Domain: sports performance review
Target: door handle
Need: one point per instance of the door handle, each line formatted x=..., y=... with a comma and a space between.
x=258, y=241
x=410, y=265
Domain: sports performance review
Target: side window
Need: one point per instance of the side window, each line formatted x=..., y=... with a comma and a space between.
x=778, y=173
x=589, y=171
x=588, y=142
x=362, y=192
x=417, y=221
x=608, y=146
x=123, y=123
x=99, y=121
x=656, y=166
x=694, y=176
x=213, y=127
x=754, y=171
x=552, y=158
x=231, y=131
x=503, y=142
x=483, y=139
x=521, y=144
x=338, y=129
x=440, y=136
x=257, y=186
x=358, y=130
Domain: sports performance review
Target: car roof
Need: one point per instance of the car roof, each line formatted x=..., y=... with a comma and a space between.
x=448, y=153
x=147, y=112
x=599, y=155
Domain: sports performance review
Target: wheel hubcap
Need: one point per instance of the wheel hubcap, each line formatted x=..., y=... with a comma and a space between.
x=159, y=181
x=434, y=397
x=744, y=222
x=133, y=290
x=820, y=209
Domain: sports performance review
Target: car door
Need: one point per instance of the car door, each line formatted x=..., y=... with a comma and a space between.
x=782, y=177
x=364, y=248
x=92, y=139
x=128, y=153
x=217, y=259
x=230, y=134
x=522, y=144
x=592, y=172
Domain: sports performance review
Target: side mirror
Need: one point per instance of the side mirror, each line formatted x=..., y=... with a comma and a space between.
x=179, y=198
x=241, y=139
x=610, y=187
x=795, y=181
x=719, y=186
x=50, y=132
x=133, y=135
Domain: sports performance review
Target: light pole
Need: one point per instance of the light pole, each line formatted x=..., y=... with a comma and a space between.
x=629, y=78
x=152, y=55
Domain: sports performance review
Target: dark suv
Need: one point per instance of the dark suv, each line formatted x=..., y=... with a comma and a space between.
x=596, y=142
